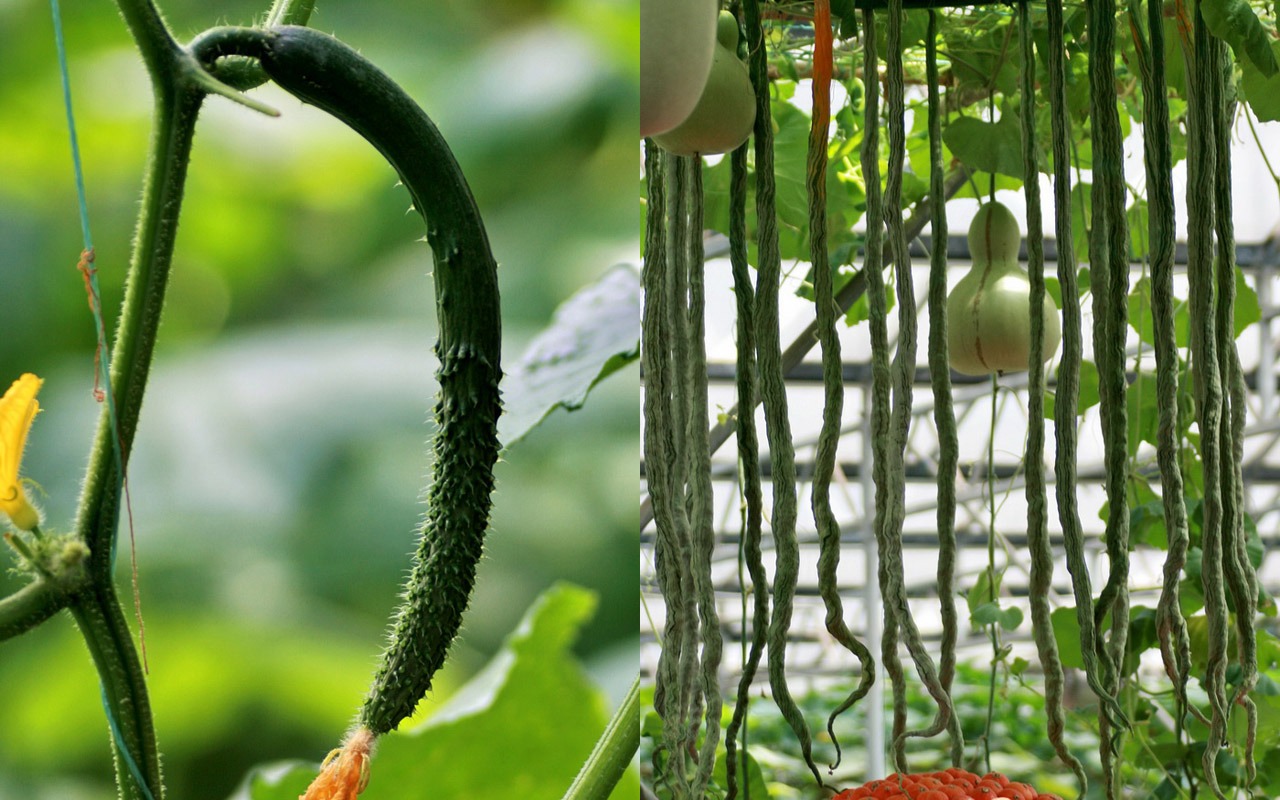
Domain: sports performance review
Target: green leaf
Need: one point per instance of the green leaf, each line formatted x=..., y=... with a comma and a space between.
x=1143, y=411
x=1261, y=91
x=1019, y=665
x=1146, y=525
x=847, y=13
x=985, y=146
x=986, y=614
x=1054, y=288
x=846, y=200
x=983, y=56
x=755, y=783
x=1066, y=632
x=1142, y=319
x=1081, y=216
x=984, y=589
x=494, y=738
x=1235, y=22
x=1136, y=216
x=1246, y=311
x=1010, y=618
x=592, y=335
x=860, y=311
x=1142, y=637
x=1088, y=391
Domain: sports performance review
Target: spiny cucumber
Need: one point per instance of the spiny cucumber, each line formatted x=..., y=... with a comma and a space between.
x=324, y=72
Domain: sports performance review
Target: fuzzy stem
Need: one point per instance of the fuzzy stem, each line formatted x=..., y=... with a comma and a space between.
x=613, y=752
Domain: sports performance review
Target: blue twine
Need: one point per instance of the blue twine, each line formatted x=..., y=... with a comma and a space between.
x=104, y=359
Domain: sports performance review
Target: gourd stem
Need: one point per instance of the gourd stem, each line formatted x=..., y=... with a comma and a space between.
x=613, y=751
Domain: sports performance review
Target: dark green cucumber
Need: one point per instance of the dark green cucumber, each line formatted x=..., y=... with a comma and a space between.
x=326, y=73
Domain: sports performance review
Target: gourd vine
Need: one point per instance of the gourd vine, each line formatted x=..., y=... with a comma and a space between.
x=751, y=556
x=904, y=376
x=1041, y=581
x=943, y=410
x=832, y=371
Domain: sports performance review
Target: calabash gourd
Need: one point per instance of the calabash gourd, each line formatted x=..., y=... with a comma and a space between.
x=676, y=45
x=726, y=110
x=989, y=310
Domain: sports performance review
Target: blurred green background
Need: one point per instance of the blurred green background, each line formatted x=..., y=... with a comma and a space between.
x=276, y=476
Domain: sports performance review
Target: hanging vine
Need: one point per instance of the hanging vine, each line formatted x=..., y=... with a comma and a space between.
x=751, y=555
x=940, y=378
x=1241, y=582
x=1037, y=513
x=832, y=369
x=1201, y=167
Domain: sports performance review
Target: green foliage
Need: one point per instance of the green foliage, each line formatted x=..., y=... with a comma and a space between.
x=987, y=146
x=594, y=334
x=1261, y=91
x=502, y=710
x=1236, y=23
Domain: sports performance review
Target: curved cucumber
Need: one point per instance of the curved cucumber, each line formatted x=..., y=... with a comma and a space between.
x=324, y=72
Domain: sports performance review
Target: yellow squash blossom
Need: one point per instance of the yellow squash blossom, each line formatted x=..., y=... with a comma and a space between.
x=18, y=408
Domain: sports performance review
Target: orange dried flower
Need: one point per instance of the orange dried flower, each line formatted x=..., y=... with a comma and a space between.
x=345, y=771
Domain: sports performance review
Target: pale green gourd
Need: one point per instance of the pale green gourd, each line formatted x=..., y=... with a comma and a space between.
x=726, y=111
x=676, y=44
x=988, y=311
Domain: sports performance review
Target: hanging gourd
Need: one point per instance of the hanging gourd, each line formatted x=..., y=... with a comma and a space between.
x=726, y=111
x=988, y=311
x=675, y=57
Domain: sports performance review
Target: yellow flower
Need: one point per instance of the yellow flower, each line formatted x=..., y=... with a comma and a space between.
x=18, y=408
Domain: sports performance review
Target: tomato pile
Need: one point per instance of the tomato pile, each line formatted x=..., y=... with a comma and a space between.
x=951, y=784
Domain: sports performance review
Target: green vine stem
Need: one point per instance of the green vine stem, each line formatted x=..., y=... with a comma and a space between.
x=97, y=610
x=613, y=752
x=179, y=86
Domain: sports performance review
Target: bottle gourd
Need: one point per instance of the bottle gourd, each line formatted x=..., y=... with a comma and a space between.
x=989, y=310
x=726, y=111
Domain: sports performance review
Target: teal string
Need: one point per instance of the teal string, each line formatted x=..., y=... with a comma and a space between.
x=91, y=275
x=104, y=359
